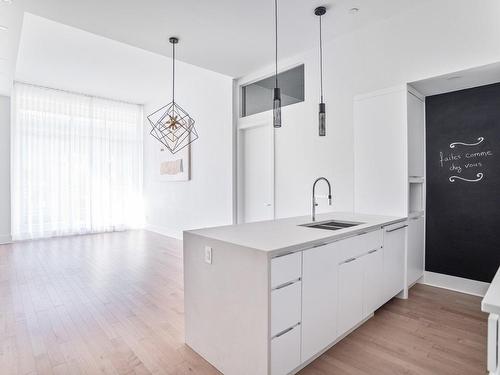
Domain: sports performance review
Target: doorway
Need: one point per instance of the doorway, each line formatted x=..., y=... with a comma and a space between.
x=256, y=172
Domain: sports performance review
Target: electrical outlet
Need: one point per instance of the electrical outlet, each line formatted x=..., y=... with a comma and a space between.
x=208, y=254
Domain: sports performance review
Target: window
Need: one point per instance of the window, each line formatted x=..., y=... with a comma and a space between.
x=258, y=96
x=76, y=164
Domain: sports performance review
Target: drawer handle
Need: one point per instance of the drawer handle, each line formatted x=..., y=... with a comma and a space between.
x=373, y=251
x=285, y=331
x=284, y=255
x=281, y=286
x=350, y=260
x=395, y=229
x=319, y=245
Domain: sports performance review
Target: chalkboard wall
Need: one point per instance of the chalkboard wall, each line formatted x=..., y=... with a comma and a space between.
x=463, y=183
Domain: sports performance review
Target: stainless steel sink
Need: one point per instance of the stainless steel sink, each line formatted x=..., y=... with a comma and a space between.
x=331, y=225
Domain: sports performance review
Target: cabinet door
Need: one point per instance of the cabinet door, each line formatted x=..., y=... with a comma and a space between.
x=380, y=139
x=350, y=305
x=319, y=298
x=394, y=260
x=416, y=249
x=373, y=265
x=416, y=125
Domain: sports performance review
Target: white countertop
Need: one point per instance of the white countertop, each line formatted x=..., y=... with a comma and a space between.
x=491, y=300
x=284, y=235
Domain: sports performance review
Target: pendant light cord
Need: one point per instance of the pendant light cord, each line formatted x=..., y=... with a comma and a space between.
x=321, y=57
x=173, y=72
x=276, y=38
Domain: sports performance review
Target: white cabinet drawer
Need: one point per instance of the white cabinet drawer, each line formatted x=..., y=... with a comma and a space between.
x=285, y=307
x=286, y=268
x=285, y=352
x=358, y=245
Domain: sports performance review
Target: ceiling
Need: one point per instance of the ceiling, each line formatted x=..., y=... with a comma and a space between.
x=55, y=55
x=461, y=80
x=232, y=37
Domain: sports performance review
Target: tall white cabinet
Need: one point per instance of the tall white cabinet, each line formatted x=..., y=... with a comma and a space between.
x=389, y=164
x=380, y=153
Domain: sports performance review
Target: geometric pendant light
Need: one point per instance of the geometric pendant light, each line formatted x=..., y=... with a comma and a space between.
x=320, y=11
x=172, y=125
x=277, y=91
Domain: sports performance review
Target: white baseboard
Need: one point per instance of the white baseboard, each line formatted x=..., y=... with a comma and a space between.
x=164, y=231
x=458, y=284
x=5, y=238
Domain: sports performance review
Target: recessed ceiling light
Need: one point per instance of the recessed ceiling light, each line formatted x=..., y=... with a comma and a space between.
x=354, y=10
x=3, y=28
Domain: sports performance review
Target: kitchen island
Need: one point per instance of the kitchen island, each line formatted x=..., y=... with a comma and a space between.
x=491, y=305
x=269, y=297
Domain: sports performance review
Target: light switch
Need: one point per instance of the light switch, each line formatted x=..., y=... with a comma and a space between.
x=208, y=254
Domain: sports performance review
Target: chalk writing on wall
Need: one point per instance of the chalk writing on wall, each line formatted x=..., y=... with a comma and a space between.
x=465, y=162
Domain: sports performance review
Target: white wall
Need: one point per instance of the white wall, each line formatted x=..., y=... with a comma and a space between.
x=4, y=169
x=435, y=38
x=60, y=56
x=205, y=200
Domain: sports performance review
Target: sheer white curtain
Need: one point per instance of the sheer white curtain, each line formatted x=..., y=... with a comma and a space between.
x=76, y=164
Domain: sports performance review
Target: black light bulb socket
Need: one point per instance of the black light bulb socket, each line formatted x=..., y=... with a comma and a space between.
x=322, y=108
x=277, y=93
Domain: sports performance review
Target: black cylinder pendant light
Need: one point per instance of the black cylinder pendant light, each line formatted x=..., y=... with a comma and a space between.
x=277, y=91
x=320, y=11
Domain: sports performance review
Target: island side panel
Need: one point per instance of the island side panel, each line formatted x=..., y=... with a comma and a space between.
x=227, y=305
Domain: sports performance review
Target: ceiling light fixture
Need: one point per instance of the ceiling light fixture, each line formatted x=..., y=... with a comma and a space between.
x=3, y=28
x=354, y=10
x=277, y=91
x=172, y=125
x=320, y=12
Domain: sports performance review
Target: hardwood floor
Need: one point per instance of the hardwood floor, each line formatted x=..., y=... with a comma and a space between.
x=434, y=332
x=113, y=304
